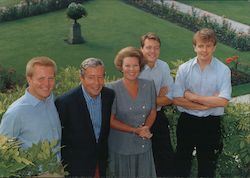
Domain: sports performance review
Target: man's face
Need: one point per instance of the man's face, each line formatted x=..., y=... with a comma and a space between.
x=204, y=50
x=42, y=82
x=151, y=50
x=93, y=80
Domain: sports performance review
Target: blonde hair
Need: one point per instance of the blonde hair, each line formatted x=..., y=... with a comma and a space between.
x=206, y=35
x=128, y=52
x=42, y=61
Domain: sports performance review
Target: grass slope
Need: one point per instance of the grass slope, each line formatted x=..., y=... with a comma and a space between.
x=110, y=26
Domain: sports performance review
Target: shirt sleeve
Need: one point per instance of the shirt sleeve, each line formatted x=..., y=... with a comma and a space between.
x=168, y=81
x=153, y=94
x=10, y=124
x=179, y=85
x=226, y=87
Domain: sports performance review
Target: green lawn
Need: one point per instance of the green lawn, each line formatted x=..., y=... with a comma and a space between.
x=110, y=26
x=236, y=10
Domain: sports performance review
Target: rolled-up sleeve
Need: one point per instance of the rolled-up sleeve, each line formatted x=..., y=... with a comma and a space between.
x=226, y=87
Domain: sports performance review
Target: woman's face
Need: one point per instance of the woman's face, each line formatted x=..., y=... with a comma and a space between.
x=130, y=68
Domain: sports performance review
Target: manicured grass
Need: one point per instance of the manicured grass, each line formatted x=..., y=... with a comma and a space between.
x=110, y=26
x=241, y=89
x=8, y=2
x=236, y=10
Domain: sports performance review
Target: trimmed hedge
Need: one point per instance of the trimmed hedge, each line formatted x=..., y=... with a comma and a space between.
x=193, y=22
x=28, y=8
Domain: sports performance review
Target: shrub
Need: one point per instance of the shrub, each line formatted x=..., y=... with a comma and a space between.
x=76, y=11
x=225, y=33
x=235, y=158
x=28, y=8
x=39, y=159
x=67, y=79
x=9, y=79
x=9, y=97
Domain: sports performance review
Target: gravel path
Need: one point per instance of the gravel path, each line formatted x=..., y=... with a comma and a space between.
x=241, y=99
x=237, y=26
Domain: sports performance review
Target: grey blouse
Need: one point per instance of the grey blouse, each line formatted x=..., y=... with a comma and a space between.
x=132, y=111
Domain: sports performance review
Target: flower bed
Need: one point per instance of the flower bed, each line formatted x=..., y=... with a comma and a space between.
x=238, y=77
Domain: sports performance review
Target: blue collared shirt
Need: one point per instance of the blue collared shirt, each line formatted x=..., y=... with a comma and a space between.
x=160, y=74
x=31, y=120
x=215, y=78
x=95, y=107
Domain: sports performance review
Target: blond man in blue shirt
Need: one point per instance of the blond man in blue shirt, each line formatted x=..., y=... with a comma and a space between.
x=202, y=90
x=33, y=117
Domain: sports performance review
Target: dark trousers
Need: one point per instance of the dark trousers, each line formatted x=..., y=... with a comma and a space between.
x=161, y=145
x=202, y=133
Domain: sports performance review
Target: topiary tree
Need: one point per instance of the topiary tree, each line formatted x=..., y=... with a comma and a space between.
x=76, y=11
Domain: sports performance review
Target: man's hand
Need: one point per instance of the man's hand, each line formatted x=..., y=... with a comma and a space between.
x=189, y=95
x=163, y=91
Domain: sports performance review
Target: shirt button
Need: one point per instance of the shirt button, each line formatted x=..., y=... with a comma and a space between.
x=143, y=146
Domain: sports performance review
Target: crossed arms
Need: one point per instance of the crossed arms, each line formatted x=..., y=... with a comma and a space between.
x=197, y=102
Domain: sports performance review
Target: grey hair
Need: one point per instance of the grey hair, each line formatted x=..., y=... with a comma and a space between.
x=90, y=62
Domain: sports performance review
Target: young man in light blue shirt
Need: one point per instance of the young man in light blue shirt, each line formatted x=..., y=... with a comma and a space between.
x=33, y=117
x=202, y=90
x=159, y=71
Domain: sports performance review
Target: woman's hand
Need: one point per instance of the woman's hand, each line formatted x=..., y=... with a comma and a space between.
x=144, y=132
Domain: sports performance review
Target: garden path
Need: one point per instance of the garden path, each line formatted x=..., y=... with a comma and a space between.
x=237, y=26
x=241, y=99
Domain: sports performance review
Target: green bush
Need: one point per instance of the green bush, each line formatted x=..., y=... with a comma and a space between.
x=67, y=79
x=234, y=160
x=76, y=11
x=9, y=79
x=28, y=8
x=225, y=33
x=39, y=159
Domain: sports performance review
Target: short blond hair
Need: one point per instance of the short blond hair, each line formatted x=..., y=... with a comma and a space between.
x=206, y=35
x=128, y=52
x=42, y=61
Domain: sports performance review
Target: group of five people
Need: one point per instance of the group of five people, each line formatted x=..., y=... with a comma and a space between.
x=119, y=128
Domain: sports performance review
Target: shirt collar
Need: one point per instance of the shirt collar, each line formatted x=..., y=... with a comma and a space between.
x=88, y=97
x=146, y=67
x=35, y=101
x=195, y=62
